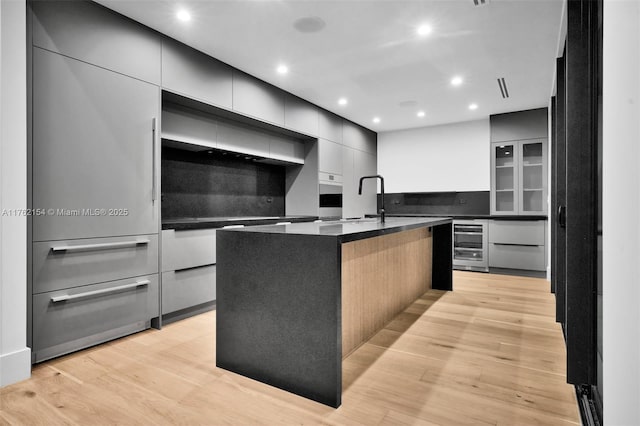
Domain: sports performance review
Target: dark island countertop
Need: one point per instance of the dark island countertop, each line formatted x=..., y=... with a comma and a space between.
x=348, y=230
x=183, y=223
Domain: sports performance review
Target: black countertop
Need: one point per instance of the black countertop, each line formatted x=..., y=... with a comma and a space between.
x=469, y=216
x=348, y=230
x=222, y=221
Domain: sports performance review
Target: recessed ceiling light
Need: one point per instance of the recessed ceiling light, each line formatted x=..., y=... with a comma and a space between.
x=376, y=119
x=420, y=114
x=424, y=30
x=342, y=101
x=456, y=81
x=473, y=106
x=282, y=69
x=183, y=15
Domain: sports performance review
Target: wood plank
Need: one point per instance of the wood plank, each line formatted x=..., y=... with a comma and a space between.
x=480, y=355
x=381, y=277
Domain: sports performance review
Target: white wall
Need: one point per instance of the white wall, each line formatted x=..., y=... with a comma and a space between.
x=15, y=357
x=621, y=213
x=449, y=157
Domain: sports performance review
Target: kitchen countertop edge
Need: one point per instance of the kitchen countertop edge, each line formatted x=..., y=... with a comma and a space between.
x=370, y=229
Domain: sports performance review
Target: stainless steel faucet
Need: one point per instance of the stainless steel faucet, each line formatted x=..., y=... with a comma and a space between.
x=381, y=191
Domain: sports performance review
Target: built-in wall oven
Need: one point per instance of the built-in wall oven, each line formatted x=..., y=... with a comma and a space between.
x=470, y=245
x=330, y=200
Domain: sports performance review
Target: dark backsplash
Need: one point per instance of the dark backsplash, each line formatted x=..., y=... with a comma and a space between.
x=202, y=184
x=445, y=203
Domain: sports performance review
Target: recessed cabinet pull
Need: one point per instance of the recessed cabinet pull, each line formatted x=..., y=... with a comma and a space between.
x=99, y=246
x=64, y=298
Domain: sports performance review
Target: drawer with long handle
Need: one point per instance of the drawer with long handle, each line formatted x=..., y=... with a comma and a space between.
x=188, y=248
x=188, y=287
x=72, y=263
x=72, y=319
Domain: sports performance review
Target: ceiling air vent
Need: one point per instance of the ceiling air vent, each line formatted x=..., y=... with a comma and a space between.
x=502, y=85
x=480, y=2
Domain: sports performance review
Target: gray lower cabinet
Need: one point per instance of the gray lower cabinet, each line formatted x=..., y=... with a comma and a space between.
x=65, y=264
x=188, y=248
x=94, y=34
x=189, y=72
x=186, y=288
x=517, y=244
x=94, y=151
x=76, y=318
x=514, y=256
x=188, y=268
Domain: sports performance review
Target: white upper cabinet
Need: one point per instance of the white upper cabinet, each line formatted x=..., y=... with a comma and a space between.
x=286, y=149
x=358, y=137
x=186, y=125
x=329, y=126
x=236, y=137
x=329, y=157
x=257, y=99
x=91, y=33
x=189, y=72
x=300, y=115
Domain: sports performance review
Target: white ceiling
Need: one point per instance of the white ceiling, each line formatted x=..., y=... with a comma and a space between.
x=369, y=52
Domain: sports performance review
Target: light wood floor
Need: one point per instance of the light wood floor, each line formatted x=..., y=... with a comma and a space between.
x=487, y=353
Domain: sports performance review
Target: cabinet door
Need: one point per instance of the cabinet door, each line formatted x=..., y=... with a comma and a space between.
x=236, y=137
x=300, y=115
x=350, y=195
x=365, y=165
x=189, y=126
x=504, y=178
x=93, y=148
x=189, y=72
x=97, y=35
x=358, y=137
x=286, y=149
x=257, y=99
x=532, y=157
x=329, y=157
x=329, y=126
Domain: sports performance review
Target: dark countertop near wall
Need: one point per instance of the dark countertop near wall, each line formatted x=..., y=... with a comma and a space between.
x=349, y=230
x=222, y=221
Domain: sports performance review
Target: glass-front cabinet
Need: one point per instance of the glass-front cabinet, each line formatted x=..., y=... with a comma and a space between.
x=519, y=177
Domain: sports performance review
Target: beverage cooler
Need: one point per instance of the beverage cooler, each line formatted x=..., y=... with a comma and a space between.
x=470, y=245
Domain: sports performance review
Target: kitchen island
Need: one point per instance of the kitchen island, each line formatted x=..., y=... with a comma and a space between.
x=294, y=300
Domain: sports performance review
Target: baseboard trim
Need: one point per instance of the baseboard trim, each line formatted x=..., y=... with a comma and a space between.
x=15, y=367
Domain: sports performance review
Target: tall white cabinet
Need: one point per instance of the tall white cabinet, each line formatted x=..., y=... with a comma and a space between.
x=94, y=167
